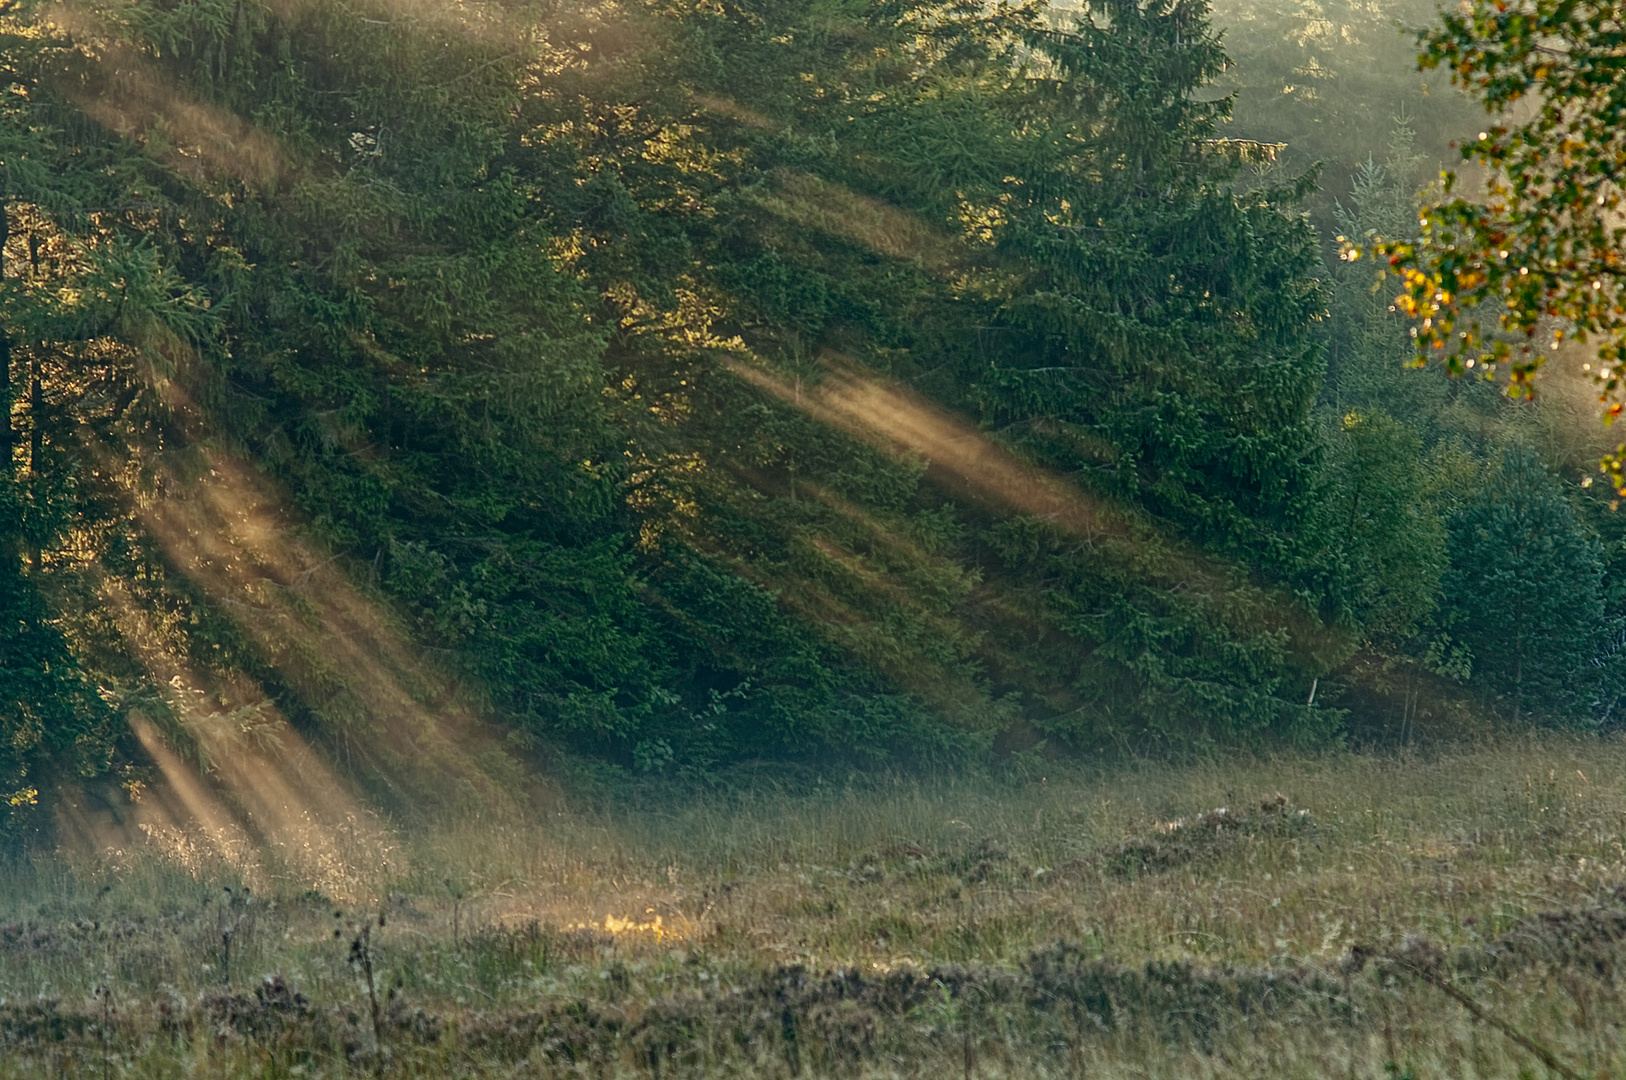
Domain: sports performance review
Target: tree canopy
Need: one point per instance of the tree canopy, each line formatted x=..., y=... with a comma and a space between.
x=680, y=385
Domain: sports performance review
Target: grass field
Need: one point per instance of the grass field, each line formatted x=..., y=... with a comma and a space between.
x=1452, y=914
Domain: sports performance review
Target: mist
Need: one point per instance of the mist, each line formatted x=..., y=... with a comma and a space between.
x=780, y=539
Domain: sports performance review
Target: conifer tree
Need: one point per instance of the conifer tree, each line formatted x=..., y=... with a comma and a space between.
x=480, y=310
x=1523, y=590
x=65, y=281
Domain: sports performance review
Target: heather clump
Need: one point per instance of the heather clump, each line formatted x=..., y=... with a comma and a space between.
x=1205, y=837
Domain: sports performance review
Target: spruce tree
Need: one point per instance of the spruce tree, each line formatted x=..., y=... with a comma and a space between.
x=1523, y=591
x=481, y=313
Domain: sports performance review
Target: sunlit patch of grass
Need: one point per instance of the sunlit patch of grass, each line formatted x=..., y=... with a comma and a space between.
x=1108, y=922
x=653, y=928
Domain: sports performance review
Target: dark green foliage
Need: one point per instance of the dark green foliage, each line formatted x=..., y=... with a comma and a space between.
x=481, y=344
x=1162, y=325
x=1390, y=546
x=1157, y=349
x=1433, y=554
x=1523, y=591
x=70, y=279
x=508, y=329
x=50, y=714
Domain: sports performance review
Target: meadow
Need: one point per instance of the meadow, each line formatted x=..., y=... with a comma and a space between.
x=1440, y=912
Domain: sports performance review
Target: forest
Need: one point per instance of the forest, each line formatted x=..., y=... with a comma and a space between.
x=427, y=413
x=679, y=386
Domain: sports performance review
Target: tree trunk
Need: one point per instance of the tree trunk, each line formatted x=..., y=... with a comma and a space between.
x=10, y=540
x=36, y=453
x=5, y=401
x=36, y=428
x=5, y=355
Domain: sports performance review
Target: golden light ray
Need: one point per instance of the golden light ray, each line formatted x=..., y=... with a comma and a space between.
x=489, y=22
x=858, y=630
x=127, y=94
x=229, y=536
x=991, y=598
x=233, y=538
x=812, y=203
x=229, y=533
x=732, y=109
x=287, y=801
x=929, y=681
x=878, y=532
x=200, y=809
x=338, y=648
x=894, y=418
x=124, y=93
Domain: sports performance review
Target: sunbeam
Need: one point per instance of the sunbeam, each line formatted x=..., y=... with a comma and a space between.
x=813, y=203
x=267, y=801
x=896, y=419
x=234, y=538
x=124, y=92
x=264, y=790
x=893, y=418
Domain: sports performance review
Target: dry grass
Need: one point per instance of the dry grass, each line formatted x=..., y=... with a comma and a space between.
x=1104, y=923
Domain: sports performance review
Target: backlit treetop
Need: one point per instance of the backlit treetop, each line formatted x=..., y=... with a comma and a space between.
x=1541, y=247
